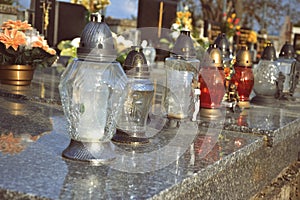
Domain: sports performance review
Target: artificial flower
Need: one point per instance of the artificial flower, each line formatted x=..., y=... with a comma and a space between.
x=20, y=44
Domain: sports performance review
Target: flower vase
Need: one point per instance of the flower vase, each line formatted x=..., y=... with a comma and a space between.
x=20, y=75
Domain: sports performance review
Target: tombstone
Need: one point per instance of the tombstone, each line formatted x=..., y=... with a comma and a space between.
x=65, y=20
x=155, y=19
x=7, y=12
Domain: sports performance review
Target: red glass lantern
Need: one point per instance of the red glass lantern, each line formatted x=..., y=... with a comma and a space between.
x=243, y=77
x=211, y=80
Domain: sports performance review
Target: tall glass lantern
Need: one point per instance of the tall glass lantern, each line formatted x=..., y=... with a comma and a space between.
x=212, y=83
x=243, y=77
x=266, y=77
x=182, y=69
x=92, y=92
x=132, y=120
x=287, y=65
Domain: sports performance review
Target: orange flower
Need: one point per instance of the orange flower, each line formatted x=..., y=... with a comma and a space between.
x=12, y=38
x=51, y=51
x=19, y=25
x=38, y=43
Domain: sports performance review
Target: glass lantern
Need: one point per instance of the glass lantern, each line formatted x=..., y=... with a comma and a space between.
x=243, y=77
x=92, y=92
x=132, y=120
x=211, y=83
x=266, y=75
x=182, y=70
x=287, y=65
x=223, y=44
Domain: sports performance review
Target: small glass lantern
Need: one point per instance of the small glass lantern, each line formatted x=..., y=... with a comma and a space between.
x=287, y=65
x=211, y=83
x=243, y=77
x=92, y=92
x=182, y=70
x=266, y=77
x=131, y=121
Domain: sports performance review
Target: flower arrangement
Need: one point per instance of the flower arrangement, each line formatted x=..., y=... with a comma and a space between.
x=183, y=20
x=231, y=26
x=93, y=6
x=20, y=44
x=252, y=37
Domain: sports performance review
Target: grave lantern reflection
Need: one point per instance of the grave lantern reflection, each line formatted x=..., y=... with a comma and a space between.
x=92, y=91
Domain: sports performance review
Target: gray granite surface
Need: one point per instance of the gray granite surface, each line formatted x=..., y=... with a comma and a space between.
x=232, y=157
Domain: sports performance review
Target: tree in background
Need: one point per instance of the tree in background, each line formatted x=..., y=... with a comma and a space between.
x=253, y=14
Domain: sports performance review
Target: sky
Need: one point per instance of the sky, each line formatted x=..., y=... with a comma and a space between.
x=119, y=9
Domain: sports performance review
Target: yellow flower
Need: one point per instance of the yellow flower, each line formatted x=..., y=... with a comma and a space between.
x=179, y=14
x=233, y=15
x=187, y=14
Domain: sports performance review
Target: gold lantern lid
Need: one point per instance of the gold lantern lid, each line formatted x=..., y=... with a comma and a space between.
x=243, y=57
x=213, y=57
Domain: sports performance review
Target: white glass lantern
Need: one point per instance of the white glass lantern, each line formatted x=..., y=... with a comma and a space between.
x=91, y=90
x=266, y=76
x=287, y=65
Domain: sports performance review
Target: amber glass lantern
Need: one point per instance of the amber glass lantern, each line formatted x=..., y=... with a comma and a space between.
x=243, y=77
x=211, y=80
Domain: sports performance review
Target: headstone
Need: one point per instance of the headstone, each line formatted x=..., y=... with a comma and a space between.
x=66, y=20
x=7, y=12
x=155, y=18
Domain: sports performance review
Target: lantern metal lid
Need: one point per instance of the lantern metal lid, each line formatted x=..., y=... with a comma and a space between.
x=135, y=64
x=213, y=57
x=96, y=41
x=269, y=52
x=184, y=45
x=223, y=44
x=243, y=57
x=287, y=51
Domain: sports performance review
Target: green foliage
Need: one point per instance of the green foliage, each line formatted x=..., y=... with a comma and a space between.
x=36, y=57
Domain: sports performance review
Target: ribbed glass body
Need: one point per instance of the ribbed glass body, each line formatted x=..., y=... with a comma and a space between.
x=91, y=94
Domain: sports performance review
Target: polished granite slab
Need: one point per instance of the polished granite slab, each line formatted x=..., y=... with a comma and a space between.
x=228, y=158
